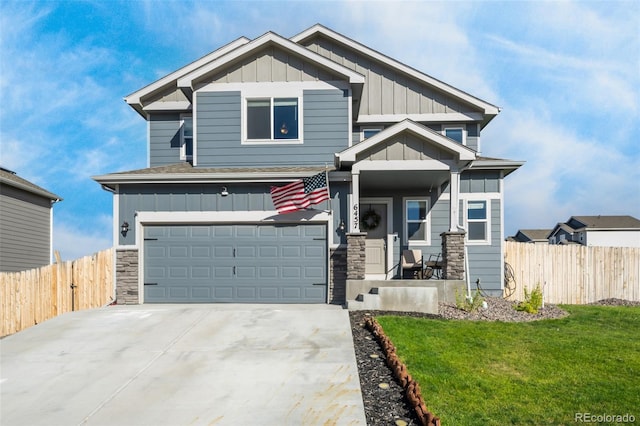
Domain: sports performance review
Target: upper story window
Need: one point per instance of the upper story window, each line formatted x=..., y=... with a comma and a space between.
x=458, y=133
x=186, y=137
x=367, y=132
x=272, y=120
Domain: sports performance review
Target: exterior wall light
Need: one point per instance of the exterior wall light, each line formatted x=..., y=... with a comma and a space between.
x=224, y=192
x=124, y=228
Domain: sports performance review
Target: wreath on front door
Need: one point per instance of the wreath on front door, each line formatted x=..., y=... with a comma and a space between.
x=370, y=220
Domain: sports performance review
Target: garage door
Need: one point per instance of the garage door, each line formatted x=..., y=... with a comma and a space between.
x=235, y=263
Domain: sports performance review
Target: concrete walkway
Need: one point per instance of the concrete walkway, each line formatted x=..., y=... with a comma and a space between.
x=183, y=365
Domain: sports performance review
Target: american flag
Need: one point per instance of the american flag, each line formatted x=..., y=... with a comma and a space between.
x=300, y=194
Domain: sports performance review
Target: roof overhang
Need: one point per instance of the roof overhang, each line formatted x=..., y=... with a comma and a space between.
x=31, y=188
x=190, y=80
x=136, y=99
x=489, y=110
x=507, y=166
x=461, y=152
x=185, y=173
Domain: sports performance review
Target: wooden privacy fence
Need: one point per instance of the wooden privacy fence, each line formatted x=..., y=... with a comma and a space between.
x=31, y=297
x=574, y=274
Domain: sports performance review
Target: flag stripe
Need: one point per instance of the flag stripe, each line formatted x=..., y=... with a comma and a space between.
x=300, y=194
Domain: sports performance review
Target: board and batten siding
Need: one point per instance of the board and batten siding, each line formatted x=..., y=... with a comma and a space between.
x=164, y=139
x=387, y=91
x=268, y=65
x=207, y=197
x=25, y=230
x=219, y=133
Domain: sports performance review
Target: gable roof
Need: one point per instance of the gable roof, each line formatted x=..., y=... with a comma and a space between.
x=10, y=178
x=534, y=234
x=463, y=153
x=603, y=222
x=489, y=109
x=269, y=38
x=135, y=99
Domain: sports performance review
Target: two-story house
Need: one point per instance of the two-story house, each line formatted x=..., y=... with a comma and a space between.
x=402, y=151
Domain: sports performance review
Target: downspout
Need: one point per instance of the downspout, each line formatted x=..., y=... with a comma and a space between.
x=114, y=191
x=466, y=250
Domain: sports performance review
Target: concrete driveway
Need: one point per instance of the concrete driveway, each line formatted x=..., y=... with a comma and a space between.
x=183, y=365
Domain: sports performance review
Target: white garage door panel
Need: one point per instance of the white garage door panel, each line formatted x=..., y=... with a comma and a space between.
x=236, y=263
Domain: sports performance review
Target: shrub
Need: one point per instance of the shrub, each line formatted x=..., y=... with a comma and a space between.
x=532, y=301
x=469, y=304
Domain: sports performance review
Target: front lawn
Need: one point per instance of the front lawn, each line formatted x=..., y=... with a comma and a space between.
x=541, y=372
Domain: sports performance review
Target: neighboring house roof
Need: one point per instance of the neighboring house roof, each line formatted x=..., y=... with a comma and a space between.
x=532, y=235
x=185, y=173
x=487, y=108
x=561, y=227
x=593, y=223
x=10, y=178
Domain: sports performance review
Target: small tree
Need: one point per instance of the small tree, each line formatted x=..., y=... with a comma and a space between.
x=532, y=301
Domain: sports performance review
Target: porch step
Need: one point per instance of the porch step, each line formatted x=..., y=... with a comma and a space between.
x=400, y=299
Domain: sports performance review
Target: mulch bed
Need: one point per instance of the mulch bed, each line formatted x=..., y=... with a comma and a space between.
x=386, y=404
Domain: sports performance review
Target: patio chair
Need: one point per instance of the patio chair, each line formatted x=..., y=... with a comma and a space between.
x=433, y=266
x=412, y=261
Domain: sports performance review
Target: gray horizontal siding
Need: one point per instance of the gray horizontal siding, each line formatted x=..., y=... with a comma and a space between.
x=25, y=221
x=485, y=262
x=164, y=139
x=207, y=197
x=326, y=127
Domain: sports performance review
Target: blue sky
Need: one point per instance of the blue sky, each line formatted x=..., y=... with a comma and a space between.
x=566, y=75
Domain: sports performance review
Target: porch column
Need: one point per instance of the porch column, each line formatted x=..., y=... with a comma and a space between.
x=454, y=200
x=453, y=255
x=354, y=208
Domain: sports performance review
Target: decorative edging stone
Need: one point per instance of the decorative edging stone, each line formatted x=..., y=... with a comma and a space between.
x=411, y=387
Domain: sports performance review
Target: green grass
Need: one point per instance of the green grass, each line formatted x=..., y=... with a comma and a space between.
x=542, y=372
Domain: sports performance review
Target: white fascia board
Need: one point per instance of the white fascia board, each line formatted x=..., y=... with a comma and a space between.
x=266, y=216
x=456, y=117
x=201, y=177
x=487, y=107
x=135, y=97
x=352, y=76
x=496, y=164
x=464, y=153
x=168, y=106
x=399, y=165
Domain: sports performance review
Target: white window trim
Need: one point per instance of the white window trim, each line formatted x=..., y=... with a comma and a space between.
x=272, y=91
x=427, y=222
x=183, y=145
x=462, y=127
x=365, y=128
x=471, y=199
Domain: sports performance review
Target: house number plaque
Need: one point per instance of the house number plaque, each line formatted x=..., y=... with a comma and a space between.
x=356, y=218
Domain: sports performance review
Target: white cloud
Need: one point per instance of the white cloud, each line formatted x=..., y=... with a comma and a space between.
x=565, y=174
x=74, y=242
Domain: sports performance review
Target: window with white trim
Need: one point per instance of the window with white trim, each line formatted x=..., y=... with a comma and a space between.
x=477, y=218
x=457, y=133
x=367, y=132
x=186, y=137
x=272, y=120
x=417, y=229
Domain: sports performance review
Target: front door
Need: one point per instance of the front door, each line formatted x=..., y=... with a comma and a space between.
x=373, y=221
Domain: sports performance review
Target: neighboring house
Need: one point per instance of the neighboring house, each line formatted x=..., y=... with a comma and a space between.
x=537, y=236
x=611, y=231
x=402, y=150
x=26, y=223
